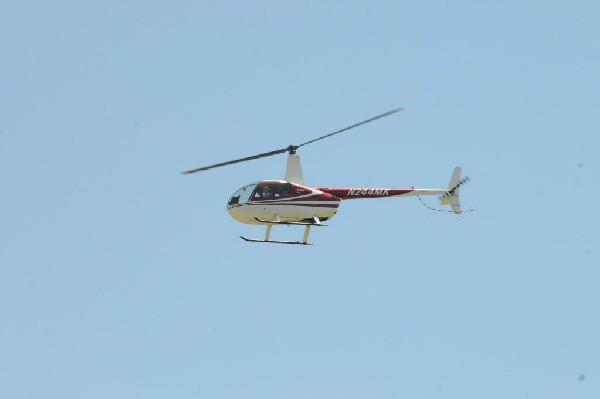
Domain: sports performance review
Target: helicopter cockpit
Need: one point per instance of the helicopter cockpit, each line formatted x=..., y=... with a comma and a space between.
x=260, y=191
x=242, y=195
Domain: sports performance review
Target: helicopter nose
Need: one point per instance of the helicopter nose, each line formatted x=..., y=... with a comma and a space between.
x=235, y=212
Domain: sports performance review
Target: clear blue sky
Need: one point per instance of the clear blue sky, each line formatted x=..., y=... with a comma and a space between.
x=121, y=278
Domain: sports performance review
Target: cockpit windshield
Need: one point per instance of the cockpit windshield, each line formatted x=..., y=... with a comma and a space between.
x=242, y=195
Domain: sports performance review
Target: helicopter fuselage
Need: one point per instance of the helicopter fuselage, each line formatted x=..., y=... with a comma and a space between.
x=290, y=202
x=281, y=201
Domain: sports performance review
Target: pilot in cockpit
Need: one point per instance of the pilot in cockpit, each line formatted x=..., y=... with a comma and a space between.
x=266, y=191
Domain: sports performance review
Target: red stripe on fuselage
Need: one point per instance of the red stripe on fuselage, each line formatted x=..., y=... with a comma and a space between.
x=293, y=204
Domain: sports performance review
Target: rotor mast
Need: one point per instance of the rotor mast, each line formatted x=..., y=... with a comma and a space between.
x=293, y=169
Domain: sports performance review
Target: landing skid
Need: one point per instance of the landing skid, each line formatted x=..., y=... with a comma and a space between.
x=275, y=242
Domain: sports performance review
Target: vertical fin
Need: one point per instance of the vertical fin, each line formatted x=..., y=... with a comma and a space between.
x=455, y=179
x=452, y=196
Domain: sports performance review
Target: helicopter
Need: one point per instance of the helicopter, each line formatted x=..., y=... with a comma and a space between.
x=290, y=202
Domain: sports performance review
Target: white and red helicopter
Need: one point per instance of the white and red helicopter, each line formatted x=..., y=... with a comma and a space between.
x=290, y=202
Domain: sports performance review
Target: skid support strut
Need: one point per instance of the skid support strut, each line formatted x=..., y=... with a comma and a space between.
x=306, y=231
x=268, y=232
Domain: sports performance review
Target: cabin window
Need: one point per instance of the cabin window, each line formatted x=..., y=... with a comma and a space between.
x=275, y=190
x=284, y=190
x=265, y=191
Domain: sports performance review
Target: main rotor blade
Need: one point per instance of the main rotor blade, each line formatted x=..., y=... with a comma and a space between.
x=353, y=126
x=292, y=148
x=217, y=165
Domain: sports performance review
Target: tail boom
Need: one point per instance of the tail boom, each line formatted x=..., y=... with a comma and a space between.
x=364, y=192
x=449, y=196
